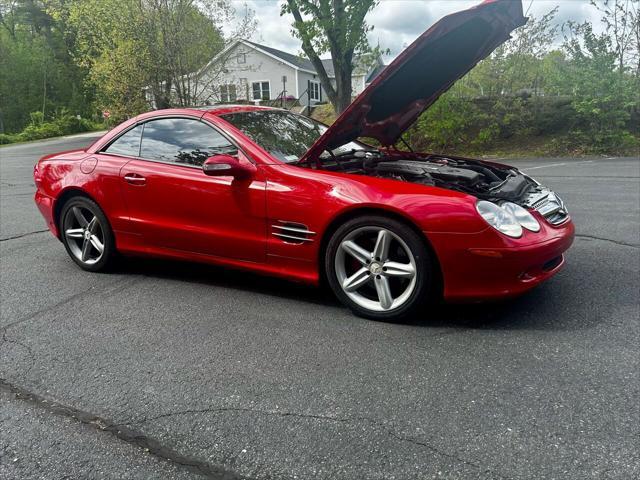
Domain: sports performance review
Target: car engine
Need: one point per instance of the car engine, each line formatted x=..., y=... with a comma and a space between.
x=486, y=181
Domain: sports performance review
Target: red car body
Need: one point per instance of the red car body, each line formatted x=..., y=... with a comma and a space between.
x=175, y=211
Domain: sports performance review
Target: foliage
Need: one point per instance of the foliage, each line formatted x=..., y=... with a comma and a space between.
x=93, y=55
x=63, y=58
x=337, y=27
x=580, y=93
x=603, y=96
x=36, y=70
x=533, y=94
x=140, y=49
x=62, y=123
x=620, y=19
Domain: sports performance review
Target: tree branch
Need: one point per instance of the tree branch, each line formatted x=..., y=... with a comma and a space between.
x=308, y=49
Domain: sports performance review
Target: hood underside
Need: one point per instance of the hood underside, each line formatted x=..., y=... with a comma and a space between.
x=421, y=73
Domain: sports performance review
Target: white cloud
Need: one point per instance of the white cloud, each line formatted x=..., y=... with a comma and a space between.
x=272, y=29
x=397, y=23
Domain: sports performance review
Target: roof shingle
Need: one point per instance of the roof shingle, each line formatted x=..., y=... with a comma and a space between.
x=299, y=62
x=305, y=63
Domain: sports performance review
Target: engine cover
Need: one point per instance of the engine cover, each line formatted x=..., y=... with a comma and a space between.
x=413, y=168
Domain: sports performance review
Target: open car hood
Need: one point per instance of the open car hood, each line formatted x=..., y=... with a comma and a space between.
x=421, y=73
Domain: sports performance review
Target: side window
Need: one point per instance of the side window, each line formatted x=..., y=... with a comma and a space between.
x=182, y=140
x=127, y=144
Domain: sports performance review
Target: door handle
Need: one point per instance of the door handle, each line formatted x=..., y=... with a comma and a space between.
x=135, y=179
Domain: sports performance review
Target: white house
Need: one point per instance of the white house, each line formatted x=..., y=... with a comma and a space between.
x=250, y=72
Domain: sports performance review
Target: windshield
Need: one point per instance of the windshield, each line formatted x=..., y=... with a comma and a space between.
x=284, y=135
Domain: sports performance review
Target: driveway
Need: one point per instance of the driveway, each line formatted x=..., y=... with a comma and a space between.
x=169, y=370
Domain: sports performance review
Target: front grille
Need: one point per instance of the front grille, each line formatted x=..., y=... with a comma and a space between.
x=291, y=232
x=550, y=206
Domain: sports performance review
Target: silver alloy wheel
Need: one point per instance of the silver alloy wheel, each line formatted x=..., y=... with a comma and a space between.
x=84, y=234
x=379, y=278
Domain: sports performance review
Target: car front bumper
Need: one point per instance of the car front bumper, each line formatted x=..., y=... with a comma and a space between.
x=489, y=265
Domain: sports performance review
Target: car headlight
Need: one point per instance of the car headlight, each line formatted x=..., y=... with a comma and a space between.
x=499, y=218
x=523, y=217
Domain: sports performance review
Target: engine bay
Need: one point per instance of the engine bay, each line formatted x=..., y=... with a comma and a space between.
x=485, y=181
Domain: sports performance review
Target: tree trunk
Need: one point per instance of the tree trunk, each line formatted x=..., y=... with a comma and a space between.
x=162, y=95
x=342, y=66
x=343, y=89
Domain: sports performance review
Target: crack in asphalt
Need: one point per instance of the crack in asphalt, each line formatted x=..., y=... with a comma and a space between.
x=124, y=432
x=376, y=423
x=46, y=309
x=117, y=287
x=22, y=235
x=128, y=435
x=602, y=239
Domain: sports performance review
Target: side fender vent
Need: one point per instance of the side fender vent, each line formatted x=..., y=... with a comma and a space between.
x=291, y=232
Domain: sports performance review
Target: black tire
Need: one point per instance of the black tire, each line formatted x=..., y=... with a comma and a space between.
x=106, y=259
x=424, y=267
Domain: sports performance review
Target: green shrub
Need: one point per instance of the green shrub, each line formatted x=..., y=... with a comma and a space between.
x=446, y=125
x=478, y=125
x=7, y=138
x=62, y=124
x=38, y=131
x=36, y=118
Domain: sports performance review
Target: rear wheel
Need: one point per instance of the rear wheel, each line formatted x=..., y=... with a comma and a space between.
x=379, y=267
x=86, y=234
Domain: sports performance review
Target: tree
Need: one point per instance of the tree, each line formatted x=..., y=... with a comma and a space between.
x=185, y=35
x=601, y=95
x=337, y=27
x=515, y=66
x=617, y=18
x=635, y=36
x=136, y=49
x=36, y=71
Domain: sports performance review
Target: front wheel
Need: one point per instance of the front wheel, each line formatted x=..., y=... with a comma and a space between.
x=379, y=267
x=86, y=234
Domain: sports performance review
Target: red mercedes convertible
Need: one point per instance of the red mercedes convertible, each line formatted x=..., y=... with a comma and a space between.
x=276, y=193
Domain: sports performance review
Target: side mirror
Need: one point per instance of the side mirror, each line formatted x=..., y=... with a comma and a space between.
x=226, y=166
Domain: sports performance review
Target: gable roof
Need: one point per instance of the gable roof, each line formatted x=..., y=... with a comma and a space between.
x=295, y=60
x=305, y=64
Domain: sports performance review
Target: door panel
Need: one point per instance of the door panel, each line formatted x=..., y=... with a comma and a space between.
x=173, y=204
x=179, y=207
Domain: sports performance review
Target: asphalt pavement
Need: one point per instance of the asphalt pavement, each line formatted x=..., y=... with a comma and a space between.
x=171, y=370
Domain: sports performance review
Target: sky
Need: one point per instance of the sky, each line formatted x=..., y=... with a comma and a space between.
x=398, y=22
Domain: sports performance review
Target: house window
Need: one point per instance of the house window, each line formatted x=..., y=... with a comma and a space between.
x=228, y=93
x=314, y=91
x=261, y=90
x=242, y=58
